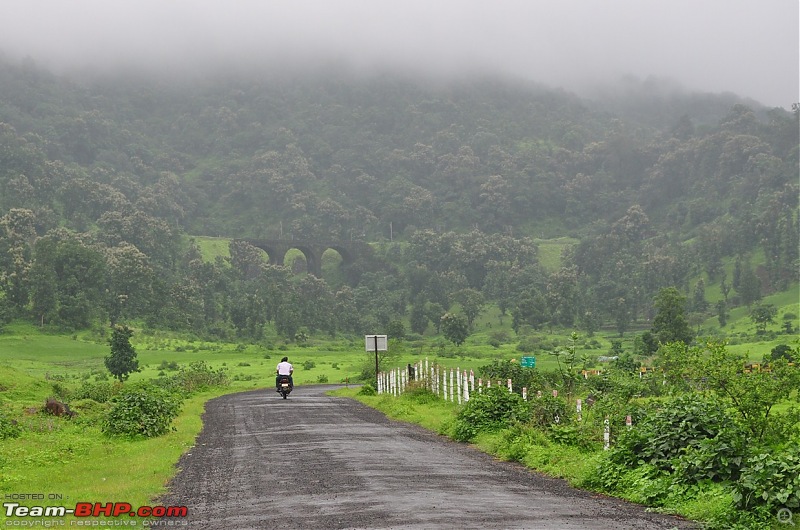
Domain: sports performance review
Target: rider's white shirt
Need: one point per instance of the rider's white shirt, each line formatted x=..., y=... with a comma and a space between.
x=284, y=368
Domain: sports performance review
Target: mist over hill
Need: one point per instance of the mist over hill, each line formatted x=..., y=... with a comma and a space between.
x=643, y=169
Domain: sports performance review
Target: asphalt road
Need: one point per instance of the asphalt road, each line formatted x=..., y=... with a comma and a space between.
x=318, y=462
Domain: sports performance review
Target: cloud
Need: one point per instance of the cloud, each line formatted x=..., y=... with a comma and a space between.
x=749, y=47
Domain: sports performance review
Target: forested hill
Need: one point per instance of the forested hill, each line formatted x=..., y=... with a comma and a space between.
x=333, y=154
x=651, y=171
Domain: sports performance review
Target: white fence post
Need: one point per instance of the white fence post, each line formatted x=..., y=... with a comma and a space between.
x=606, y=434
x=525, y=393
x=578, y=409
x=466, y=387
x=459, y=384
x=452, y=384
x=509, y=386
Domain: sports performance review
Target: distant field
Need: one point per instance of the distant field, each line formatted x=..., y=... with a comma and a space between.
x=550, y=251
x=212, y=247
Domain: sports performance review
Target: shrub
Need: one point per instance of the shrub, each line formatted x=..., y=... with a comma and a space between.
x=418, y=392
x=691, y=434
x=101, y=392
x=8, y=427
x=89, y=411
x=490, y=410
x=308, y=365
x=520, y=376
x=165, y=365
x=367, y=390
x=718, y=459
x=198, y=376
x=770, y=480
x=142, y=410
x=516, y=442
x=548, y=410
x=573, y=436
x=322, y=378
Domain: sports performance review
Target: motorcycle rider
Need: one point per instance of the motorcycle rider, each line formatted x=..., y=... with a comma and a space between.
x=284, y=368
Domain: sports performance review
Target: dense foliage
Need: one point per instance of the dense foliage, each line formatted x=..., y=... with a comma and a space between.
x=142, y=410
x=101, y=180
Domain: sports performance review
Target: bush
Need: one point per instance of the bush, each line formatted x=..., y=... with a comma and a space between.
x=168, y=365
x=690, y=435
x=101, y=392
x=142, y=410
x=573, y=436
x=516, y=442
x=548, y=410
x=770, y=480
x=8, y=427
x=198, y=376
x=418, y=392
x=308, y=365
x=490, y=410
x=520, y=376
x=367, y=390
x=89, y=411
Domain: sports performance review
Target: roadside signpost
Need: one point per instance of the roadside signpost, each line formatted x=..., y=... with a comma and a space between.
x=528, y=362
x=376, y=343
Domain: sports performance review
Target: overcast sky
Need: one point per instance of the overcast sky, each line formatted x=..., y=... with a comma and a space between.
x=749, y=47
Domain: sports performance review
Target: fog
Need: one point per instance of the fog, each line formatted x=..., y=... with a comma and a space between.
x=748, y=47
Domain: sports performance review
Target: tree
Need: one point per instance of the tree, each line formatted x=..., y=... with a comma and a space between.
x=471, y=302
x=670, y=324
x=530, y=308
x=752, y=395
x=722, y=313
x=417, y=318
x=749, y=286
x=73, y=273
x=455, y=328
x=763, y=314
x=396, y=330
x=122, y=360
x=782, y=351
x=44, y=292
x=131, y=279
x=699, y=302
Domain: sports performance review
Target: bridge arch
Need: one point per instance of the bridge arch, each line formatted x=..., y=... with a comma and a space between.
x=276, y=250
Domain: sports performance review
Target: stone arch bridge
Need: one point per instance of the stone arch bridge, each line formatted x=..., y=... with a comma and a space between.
x=276, y=249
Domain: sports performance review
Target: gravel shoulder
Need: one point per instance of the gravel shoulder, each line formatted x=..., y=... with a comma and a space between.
x=315, y=461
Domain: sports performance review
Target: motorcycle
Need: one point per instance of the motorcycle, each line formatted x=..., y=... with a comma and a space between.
x=284, y=386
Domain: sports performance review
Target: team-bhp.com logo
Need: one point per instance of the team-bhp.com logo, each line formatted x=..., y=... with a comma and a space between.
x=94, y=509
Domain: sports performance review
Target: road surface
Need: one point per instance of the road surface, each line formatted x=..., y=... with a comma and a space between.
x=319, y=462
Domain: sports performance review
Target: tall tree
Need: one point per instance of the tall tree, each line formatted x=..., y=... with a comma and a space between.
x=762, y=315
x=670, y=324
x=122, y=361
x=455, y=328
